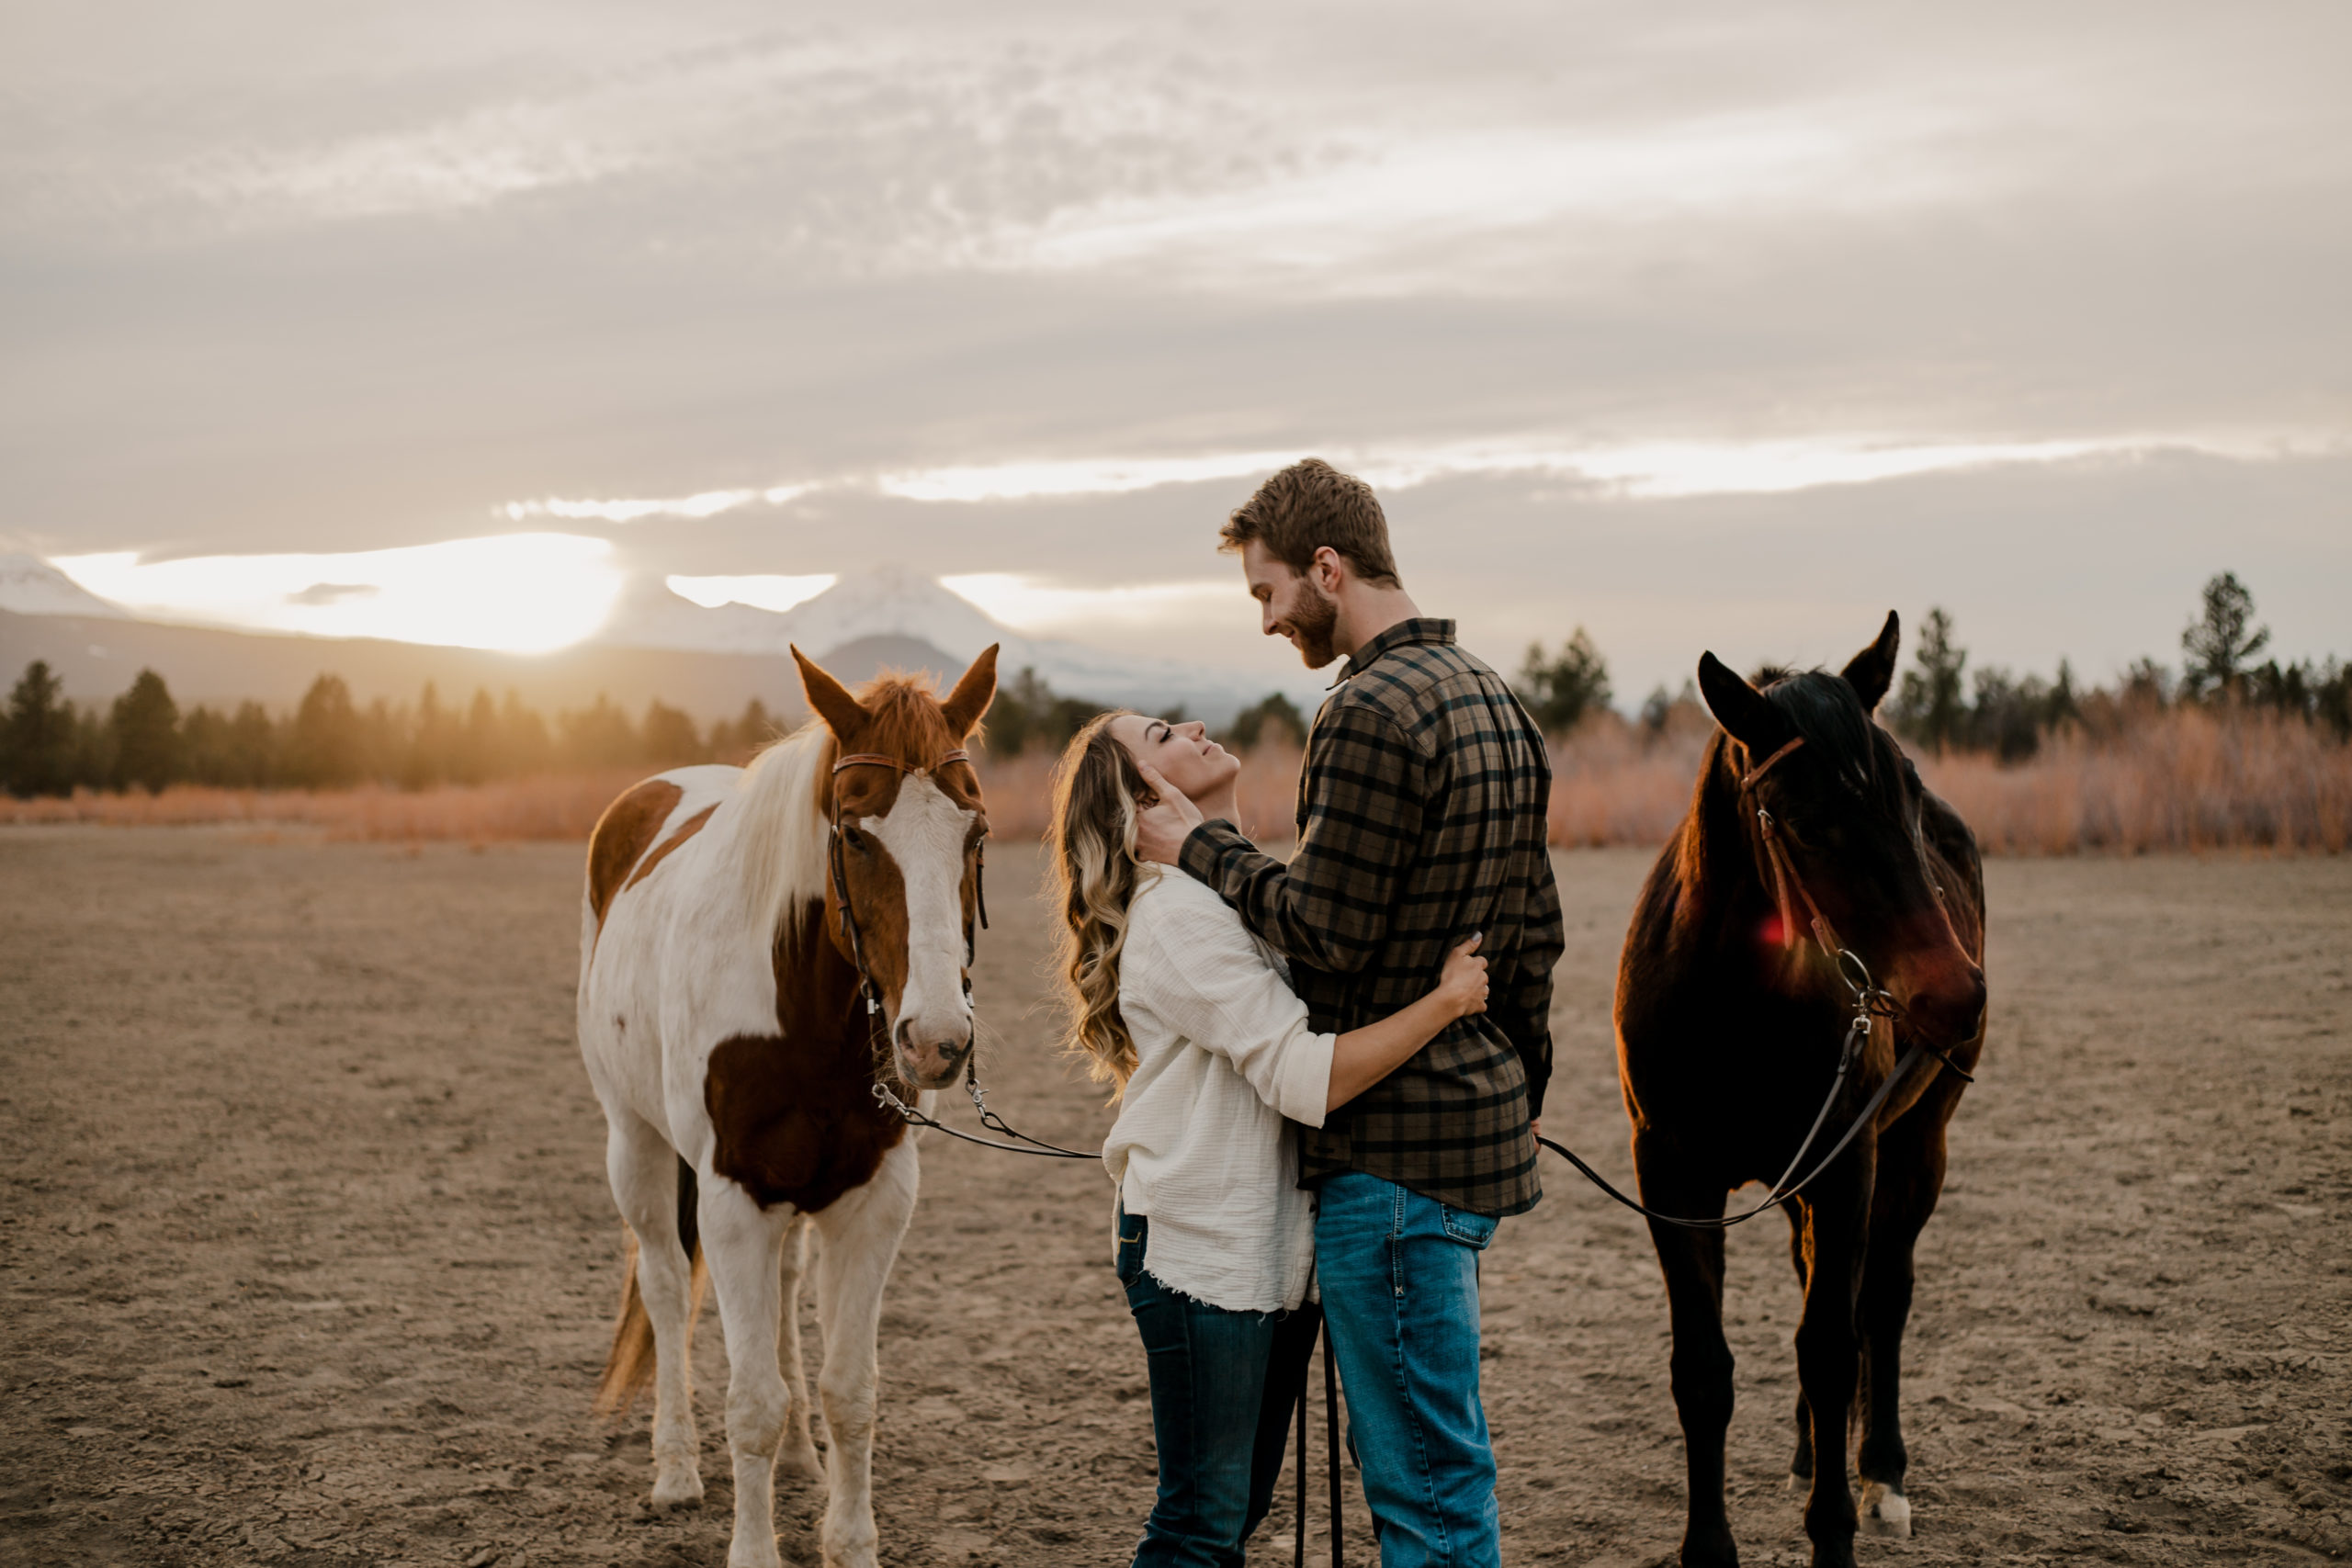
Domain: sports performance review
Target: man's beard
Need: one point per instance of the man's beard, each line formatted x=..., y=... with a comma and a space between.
x=1312, y=619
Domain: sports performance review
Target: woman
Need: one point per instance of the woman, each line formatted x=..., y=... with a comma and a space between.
x=1195, y=1021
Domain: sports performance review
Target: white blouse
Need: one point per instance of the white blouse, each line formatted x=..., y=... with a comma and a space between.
x=1223, y=1053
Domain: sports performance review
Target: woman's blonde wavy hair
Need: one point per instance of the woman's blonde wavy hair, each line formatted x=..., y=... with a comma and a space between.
x=1097, y=791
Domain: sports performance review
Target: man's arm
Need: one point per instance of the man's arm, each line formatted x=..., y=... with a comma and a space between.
x=1522, y=1003
x=1329, y=907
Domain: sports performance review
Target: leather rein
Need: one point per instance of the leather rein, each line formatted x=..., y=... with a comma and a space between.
x=884, y=1095
x=1869, y=1001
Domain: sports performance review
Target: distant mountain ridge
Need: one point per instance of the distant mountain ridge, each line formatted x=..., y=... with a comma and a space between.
x=30, y=586
x=894, y=601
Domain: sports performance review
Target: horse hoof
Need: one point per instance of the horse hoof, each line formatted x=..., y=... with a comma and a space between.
x=1885, y=1512
x=1799, y=1482
x=677, y=1490
x=800, y=1464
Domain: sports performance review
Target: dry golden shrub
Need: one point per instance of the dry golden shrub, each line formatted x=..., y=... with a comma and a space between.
x=2186, y=779
x=559, y=806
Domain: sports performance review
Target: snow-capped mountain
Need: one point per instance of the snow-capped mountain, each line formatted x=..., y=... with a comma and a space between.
x=30, y=586
x=894, y=601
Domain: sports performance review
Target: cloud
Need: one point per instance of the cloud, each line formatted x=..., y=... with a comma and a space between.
x=334, y=593
x=1039, y=604
x=705, y=503
x=1639, y=470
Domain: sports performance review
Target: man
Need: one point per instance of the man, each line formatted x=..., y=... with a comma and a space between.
x=1420, y=821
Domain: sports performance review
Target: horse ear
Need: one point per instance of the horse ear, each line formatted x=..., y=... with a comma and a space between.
x=829, y=698
x=1743, y=711
x=1871, y=671
x=972, y=694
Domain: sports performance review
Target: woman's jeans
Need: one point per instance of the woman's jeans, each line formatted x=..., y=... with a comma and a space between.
x=1223, y=1386
x=1399, y=1274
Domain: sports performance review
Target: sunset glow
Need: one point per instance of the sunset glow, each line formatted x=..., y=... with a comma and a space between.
x=1034, y=603
x=514, y=592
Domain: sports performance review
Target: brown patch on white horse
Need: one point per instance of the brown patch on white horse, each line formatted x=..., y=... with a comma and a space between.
x=686, y=829
x=724, y=1024
x=794, y=1112
x=621, y=835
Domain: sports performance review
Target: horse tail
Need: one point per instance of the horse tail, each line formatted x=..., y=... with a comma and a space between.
x=629, y=1365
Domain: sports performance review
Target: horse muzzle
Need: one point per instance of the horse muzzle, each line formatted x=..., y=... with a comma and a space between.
x=1947, y=1010
x=931, y=1057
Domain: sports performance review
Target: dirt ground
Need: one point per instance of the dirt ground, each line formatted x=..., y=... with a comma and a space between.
x=307, y=1257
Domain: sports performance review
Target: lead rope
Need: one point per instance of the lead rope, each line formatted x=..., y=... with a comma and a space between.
x=1331, y=1435
x=1870, y=1001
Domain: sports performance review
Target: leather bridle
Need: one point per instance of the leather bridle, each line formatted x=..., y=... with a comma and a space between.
x=1870, y=1001
x=840, y=869
x=1784, y=873
x=884, y=1095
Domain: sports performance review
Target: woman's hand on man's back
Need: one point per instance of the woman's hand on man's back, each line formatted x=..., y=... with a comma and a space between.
x=1463, y=983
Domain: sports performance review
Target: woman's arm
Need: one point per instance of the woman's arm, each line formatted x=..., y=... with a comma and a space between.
x=1362, y=1058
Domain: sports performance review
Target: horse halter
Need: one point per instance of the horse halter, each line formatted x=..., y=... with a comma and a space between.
x=884, y=1096
x=1784, y=873
x=840, y=869
x=1869, y=999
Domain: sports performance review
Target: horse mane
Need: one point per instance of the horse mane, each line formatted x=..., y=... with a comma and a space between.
x=781, y=831
x=780, y=824
x=1712, y=853
x=906, y=720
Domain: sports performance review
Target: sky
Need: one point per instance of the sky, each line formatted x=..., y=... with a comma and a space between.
x=1721, y=326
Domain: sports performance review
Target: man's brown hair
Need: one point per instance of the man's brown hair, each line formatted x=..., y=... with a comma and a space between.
x=1311, y=504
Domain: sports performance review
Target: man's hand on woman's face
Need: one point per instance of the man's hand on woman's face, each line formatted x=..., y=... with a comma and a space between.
x=1162, y=829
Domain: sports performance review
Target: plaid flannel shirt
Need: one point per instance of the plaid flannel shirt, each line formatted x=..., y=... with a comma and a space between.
x=1420, y=820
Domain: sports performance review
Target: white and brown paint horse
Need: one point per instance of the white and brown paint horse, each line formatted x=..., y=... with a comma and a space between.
x=724, y=1021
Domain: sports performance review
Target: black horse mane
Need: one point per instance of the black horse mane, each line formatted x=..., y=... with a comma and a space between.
x=1823, y=709
x=1713, y=857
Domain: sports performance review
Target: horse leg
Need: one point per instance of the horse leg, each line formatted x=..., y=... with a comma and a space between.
x=745, y=1246
x=643, y=1172
x=1801, y=1462
x=859, y=1233
x=1692, y=1263
x=797, y=1457
x=1910, y=1179
x=1836, y=1219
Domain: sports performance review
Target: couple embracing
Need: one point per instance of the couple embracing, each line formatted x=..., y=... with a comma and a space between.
x=1329, y=1070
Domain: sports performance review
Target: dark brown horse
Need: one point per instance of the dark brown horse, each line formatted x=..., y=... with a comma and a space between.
x=1809, y=834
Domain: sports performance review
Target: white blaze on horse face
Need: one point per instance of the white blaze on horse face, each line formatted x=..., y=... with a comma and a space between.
x=925, y=833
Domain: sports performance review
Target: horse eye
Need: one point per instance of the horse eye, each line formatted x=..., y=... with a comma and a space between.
x=855, y=838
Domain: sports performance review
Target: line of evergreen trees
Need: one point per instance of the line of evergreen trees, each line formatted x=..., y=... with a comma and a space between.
x=1997, y=710
x=50, y=746
x=1941, y=704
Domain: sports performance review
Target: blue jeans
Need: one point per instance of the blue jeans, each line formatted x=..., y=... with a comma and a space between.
x=1399, y=1273
x=1223, y=1386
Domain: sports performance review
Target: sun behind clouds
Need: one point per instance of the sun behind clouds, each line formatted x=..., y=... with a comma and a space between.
x=512, y=592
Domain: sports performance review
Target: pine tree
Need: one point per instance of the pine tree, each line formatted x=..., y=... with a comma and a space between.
x=2221, y=642
x=39, y=753
x=325, y=746
x=1929, y=706
x=147, y=752
x=1559, y=691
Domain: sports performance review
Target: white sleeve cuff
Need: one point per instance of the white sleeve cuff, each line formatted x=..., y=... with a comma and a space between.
x=1303, y=1089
